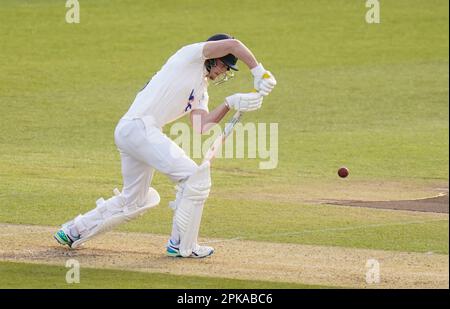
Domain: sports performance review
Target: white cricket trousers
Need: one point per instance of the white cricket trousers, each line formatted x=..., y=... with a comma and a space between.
x=143, y=148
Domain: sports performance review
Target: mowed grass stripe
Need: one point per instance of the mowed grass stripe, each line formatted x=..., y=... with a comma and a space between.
x=39, y=276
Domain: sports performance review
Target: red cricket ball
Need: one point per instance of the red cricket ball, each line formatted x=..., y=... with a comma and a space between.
x=343, y=172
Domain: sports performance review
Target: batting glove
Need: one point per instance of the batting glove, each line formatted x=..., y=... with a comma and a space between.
x=264, y=81
x=244, y=102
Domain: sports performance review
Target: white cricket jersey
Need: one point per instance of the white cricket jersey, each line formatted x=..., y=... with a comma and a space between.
x=179, y=87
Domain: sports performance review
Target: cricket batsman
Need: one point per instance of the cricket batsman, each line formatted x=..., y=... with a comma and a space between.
x=179, y=88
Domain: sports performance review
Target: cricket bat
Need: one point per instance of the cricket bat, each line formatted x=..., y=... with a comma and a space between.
x=212, y=151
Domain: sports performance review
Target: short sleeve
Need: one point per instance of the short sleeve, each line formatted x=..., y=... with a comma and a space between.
x=203, y=102
x=193, y=53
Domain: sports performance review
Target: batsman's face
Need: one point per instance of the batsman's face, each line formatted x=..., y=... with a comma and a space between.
x=217, y=70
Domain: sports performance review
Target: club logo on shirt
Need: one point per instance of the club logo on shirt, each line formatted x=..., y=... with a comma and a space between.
x=190, y=101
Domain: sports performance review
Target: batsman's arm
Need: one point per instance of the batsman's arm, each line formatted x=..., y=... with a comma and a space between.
x=218, y=49
x=202, y=121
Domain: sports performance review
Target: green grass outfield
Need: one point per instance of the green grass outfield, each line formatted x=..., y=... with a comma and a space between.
x=35, y=276
x=371, y=97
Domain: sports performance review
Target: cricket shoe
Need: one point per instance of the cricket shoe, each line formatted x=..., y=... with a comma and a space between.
x=198, y=252
x=63, y=238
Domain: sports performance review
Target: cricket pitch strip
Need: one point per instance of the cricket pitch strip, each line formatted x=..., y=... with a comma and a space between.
x=237, y=259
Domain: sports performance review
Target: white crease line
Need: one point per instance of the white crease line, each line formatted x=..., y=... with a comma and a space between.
x=339, y=229
x=223, y=240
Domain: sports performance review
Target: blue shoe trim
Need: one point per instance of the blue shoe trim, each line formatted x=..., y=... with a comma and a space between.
x=62, y=238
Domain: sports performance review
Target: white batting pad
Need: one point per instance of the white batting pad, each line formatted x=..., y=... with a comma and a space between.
x=189, y=207
x=112, y=218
